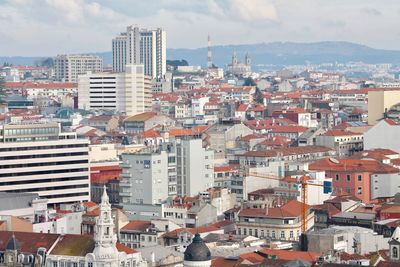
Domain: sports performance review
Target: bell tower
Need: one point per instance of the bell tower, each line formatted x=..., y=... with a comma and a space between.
x=105, y=238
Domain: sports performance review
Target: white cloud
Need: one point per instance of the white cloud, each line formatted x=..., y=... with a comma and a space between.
x=253, y=10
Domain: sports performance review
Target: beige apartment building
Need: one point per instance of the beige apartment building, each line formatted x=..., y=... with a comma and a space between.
x=381, y=101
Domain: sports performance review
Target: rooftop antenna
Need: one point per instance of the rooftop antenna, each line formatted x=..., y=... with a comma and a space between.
x=209, y=55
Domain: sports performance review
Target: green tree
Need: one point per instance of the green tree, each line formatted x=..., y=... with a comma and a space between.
x=249, y=82
x=258, y=96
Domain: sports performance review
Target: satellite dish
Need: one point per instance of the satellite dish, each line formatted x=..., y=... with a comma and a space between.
x=334, y=160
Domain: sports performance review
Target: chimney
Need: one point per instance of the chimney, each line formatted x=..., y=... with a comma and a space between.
x=266, y=209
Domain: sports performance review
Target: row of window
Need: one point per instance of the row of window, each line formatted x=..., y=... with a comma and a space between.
x=8, y=149
x=41, y=164
x=348, y=177
x=266, y=233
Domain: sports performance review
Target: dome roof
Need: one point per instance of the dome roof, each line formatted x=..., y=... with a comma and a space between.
x=197, y=251
x=13, y=244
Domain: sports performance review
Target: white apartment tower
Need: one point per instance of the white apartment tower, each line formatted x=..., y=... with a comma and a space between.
x=141, y=46
x=67, y=68
x=126, y=92
x=39, y=158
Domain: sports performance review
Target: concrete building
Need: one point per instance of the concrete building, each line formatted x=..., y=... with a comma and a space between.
x=67, y=68
x=195, y=167
x=145, y=178
x=384, y=134
x=345, y=143
x=39, y=158
x=142, y=122
x=223, y=136
x=127, y=92
x=278, y=223
x=379, y=102
x=141, y=46
x=349, y=239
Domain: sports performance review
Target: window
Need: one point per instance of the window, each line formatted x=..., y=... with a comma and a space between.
x=90, y=264
x=250, y=231
x=395, y=252
x=244, y=231
x=359, y=178
x=239, y=231
x=337, y=177
x=348, y=178
x=282, y=234
x=273, y=234
x=340, y=238
x=256, y=232
x=262, y=233
x=359, y=190
x=55, y=264
x=291, y=234
x=267, y=233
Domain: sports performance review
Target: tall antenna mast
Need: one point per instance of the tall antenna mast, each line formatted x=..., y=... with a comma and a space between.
x=209, y=61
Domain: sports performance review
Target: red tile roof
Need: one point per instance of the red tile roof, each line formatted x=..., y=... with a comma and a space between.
x=136, y=225
x=352, y=165
x=242, y=108
x=226, y=168
x=288, y=151
x=29, y=242
x=292, y=255
x=123, y=248
x=291, y=209
x=29, y=85
x=340, y=133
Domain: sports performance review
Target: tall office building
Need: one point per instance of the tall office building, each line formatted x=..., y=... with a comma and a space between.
x=126, y=92
x=195, y=167
x=39, y=158
x=141, y=46
x=67, y=68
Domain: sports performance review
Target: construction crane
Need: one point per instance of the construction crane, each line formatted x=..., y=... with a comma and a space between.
x=303, y=181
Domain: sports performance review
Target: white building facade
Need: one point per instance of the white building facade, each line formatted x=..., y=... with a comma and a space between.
x=67, y=68
x=141, y=46
x=127, y=92
x=38, y=158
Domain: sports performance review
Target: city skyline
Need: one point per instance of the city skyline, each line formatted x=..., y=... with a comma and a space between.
x=48, y=27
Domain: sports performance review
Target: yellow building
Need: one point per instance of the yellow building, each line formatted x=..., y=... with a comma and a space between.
x=381, y=101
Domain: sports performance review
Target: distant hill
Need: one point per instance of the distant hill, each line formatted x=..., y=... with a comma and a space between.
x=277, y=53
x=287, y=53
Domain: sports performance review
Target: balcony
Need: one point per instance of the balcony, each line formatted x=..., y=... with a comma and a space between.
x=125, y=194
x=125, y=165
x=126, y=175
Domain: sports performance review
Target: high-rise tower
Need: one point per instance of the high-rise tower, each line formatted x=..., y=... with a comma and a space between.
x=141, y=46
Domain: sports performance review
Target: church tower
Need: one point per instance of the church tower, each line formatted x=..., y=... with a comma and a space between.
x=105, y=250
x=234, y=59
x=247, y=59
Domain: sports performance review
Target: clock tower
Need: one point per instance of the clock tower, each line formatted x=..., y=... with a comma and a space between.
x=105, y=250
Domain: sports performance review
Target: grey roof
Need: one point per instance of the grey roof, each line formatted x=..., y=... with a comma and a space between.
x=296, y=263
x=355, y=215
x=10, y=201
x=160, y=252
x=341, y=229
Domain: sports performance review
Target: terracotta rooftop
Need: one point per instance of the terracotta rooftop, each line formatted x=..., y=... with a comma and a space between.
x=29, y=242
x=137, y=226
x=288, y=151
x=141, y=117
x=352, y=165
x=291, y=209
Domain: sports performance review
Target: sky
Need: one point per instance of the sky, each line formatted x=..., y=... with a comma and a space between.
x=50, y=27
